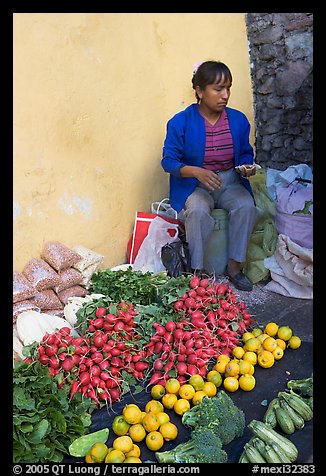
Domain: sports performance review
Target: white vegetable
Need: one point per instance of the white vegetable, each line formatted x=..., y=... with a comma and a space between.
x=17, y=347
x=76, y=303
x=32, y=326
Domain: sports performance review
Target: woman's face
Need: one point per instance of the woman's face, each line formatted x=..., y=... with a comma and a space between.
x=215, y=96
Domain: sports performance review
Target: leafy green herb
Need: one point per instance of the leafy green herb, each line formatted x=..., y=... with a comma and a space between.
x=45, y=420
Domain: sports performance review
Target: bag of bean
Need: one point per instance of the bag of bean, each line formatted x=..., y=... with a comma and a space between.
x=59, y=256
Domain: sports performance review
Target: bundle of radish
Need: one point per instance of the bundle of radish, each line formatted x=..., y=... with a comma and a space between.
x=97, y=363
x=208, y=321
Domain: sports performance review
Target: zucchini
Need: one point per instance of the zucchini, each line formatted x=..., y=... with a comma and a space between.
x=270, y=416
x=269, y=435
x=284, y=420
x=297, y=419
x=271, y=455
x=283, y=457
x=83, y=444
x=298, y=404
x=243, y=458
x=260, y=445
x=253, y=454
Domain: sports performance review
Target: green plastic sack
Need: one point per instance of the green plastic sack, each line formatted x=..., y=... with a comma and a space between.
x=263, y=240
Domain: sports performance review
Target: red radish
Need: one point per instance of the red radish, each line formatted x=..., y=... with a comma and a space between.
x=156, y=377
x=68, y=364
x=178, y=305
x=84, y=378
x=170, y=326
x=158, y=364
x=201, y=291
x=141, y=366
x=51, y=350
x=204, y=283
x=98, y=323
x=194, y=282
x=169, y=366
x=100, y=312
x=73, y=389
x=181, y=368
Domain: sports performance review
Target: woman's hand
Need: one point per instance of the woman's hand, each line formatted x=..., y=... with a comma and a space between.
x=210, y=179
x=246, y=170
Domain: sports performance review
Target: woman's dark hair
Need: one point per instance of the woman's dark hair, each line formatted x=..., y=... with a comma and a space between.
x=210, y=72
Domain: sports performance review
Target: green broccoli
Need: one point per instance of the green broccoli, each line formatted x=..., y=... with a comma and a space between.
x=218, y=413
x=204, y=446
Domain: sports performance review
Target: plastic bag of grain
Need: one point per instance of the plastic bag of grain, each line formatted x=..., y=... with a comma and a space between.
x=22, y=288
x=40, y=274
x=73, y=291
x=88, y=258
x=47, y=299
x=59, y=256
x=69, y=277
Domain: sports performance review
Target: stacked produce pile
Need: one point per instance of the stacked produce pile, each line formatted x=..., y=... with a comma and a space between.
x=133, y=333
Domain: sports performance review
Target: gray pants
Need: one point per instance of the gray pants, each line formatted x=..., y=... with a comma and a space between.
x=199, y=224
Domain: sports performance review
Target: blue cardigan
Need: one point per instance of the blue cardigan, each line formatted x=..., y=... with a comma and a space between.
x=185, y=145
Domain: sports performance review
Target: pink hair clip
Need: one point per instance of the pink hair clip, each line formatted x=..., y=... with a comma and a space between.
x=196, y=66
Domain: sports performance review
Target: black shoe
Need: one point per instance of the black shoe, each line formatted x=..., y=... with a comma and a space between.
x=241, y=281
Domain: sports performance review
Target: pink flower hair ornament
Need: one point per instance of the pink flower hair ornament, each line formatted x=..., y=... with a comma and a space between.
x=196, y=66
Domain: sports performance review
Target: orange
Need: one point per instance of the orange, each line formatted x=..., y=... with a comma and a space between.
x=247, y=382
x=271, y=329
x=154, y=440
x=232, y=369
x=284, y=332
x=265, y=359
x=119, y=425
x=252, y=345
x=172, y=385
x=270, y=344
x=181, y=406
x=251, y=357
x=278, y=353
x=169, y=400
x=135, y=451
x=132, y=459
x=123, y=443
x=281, y=343
x=137, y=432
x=238, y=352
x=196, y=381
x=245, y=367
x=199, y=395
x=294, y=342
x=157, y=391
x=89, y=458
x=169, y=431
x=220, y=366
x=132, y=413
x=162, y=417
x=256, y=331
x=210, y=389
x=150, y=422
x=231, y=384
x=98, y=452
x=115, y=456
x=215, y=377
x=154, y=406
x=187, y=391
x=222, y=358
x=246, y=336
x=262, y=337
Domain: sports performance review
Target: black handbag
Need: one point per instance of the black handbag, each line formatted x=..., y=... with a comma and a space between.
x=176, y=258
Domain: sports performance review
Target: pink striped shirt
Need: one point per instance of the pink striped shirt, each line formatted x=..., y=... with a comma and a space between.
x=219, y=145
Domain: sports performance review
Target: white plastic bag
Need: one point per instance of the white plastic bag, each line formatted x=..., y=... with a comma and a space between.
x=164, y=209
x=148, y=258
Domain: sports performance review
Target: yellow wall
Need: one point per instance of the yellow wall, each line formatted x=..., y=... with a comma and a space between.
x=92, y=95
